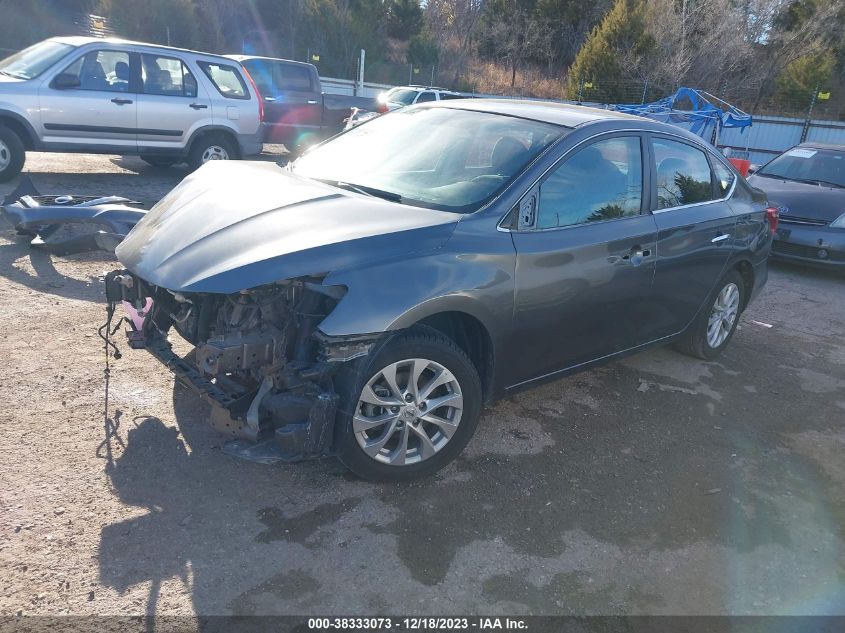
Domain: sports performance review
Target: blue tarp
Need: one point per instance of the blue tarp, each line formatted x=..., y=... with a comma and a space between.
x=695, y=110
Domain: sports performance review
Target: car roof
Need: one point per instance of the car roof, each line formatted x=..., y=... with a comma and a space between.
x=565, y=114
x=833, y=146
x=244, y=58
x=81, y=40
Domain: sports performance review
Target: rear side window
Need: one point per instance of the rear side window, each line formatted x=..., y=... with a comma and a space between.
x=724, y=178
x=226, y=79
x=294, y=77
x=426, y=96
x=683, y=174
x=603, y=181
x=445, y=95
x=167, y=76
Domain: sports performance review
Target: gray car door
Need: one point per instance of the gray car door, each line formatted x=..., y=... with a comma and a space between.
x=584, y=266
x=695, y=232
x=91, y=102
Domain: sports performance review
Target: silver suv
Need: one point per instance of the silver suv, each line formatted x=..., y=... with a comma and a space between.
x=88, y=95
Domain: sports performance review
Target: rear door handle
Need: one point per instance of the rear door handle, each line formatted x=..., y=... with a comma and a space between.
x=720, y=238
x=119, y=101
x=312, y=102
x=198, y=106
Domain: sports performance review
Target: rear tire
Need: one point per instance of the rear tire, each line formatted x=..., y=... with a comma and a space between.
x=159, y=161
x=212, y=147
x=715, y=326
x=12, y=154
x=433, y=433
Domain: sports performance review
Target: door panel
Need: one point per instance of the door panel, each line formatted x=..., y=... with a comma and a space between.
x=694, y=241
x=100, y=111
x=579, y=294
x=173, y=103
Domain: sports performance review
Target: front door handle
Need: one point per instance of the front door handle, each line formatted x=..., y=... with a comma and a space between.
x=636, y=256
x=312, y=102
x=198, y=106
x=120, y=101
x=720, y=238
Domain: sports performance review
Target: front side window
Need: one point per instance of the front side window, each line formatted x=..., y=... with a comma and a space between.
x=101, y=70
x=167, y=76
x=683, y=174
x=226, y=79
x=603, y=181
x=32, y=61
x=454, y=160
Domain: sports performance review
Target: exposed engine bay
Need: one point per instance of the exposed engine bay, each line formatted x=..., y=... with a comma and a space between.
x=258, y=359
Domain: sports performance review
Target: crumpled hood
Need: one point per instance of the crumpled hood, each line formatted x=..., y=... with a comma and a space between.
x=802, y=200
x=233, y=225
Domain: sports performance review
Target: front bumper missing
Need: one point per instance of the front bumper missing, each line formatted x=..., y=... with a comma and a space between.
x=54, y=222
x=820, y=246
x=272, y=423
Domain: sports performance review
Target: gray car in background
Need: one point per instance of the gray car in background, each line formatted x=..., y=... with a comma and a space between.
x=367, y=300
x=89, y=95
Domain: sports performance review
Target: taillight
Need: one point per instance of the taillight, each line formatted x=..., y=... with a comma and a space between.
x=382, y=108
x=772, y=215
x=257, y=96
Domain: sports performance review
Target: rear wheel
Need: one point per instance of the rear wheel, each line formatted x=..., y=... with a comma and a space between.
x=12, y=154
x=159, y=161
x=715, y=326
x=212, y=147
x=409, y=409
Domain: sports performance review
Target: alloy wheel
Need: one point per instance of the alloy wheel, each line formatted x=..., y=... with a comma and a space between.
x=214, y=152
x=407, y=412
x=723, y=315
x=5, y=156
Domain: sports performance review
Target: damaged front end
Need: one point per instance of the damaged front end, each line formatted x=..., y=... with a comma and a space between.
x=258, y=358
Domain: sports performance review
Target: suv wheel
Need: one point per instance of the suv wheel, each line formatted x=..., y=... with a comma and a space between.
x=159, y=161
x=12, y=154
x=713, y=329
x=408, y=409
x=211, y=147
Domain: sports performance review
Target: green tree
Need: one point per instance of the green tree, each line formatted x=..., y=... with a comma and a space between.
x=404, y=19
x=802, y=77
x=155, y=21
x=613, y=53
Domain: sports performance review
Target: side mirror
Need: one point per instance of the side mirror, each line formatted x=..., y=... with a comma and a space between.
x=752, y=169
x=66, y=81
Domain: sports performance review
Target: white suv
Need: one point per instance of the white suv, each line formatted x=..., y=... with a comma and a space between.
x=402, y=96
x=88, y=95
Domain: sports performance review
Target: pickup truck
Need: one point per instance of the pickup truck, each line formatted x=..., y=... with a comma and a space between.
x=297, y=112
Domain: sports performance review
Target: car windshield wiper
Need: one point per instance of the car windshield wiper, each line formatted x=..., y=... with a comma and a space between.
x=368, y=191
x=827, y=183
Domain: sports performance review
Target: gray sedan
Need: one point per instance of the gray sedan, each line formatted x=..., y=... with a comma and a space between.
x=369, y=299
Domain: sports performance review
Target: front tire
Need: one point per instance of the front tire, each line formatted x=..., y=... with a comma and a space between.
x=12, y=154
x=212, y=147
x=408, y=409
x=714, y=328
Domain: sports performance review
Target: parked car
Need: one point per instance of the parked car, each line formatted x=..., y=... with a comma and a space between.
x=402, y=96
x=297, y=112
x=368, y=299
x=807, y=184
x=89, y=95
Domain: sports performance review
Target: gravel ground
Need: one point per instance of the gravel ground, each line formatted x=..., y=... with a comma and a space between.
x=659, y=484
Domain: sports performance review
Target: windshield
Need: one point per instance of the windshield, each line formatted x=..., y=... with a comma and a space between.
x=453, y=160
x=33, y=61
x=805, y=164
x=400, y=95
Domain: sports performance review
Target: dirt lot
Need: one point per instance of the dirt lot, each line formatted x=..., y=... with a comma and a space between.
x=659, y=484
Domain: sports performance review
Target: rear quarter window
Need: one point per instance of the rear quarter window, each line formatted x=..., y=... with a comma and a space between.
x=226, y=78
